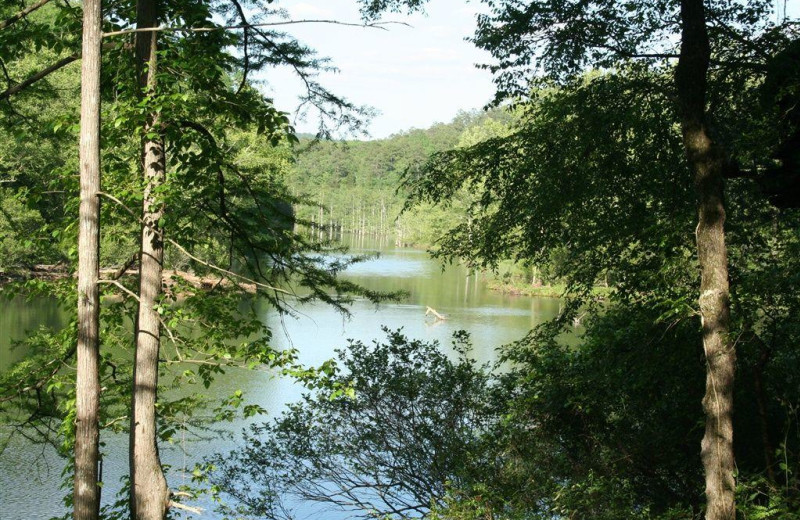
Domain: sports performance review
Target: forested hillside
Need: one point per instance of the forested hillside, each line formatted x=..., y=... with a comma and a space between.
x=357, y=186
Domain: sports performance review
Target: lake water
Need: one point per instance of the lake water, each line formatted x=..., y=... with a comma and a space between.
x=30, y=475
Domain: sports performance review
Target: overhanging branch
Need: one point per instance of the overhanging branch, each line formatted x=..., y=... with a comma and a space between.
x=373, y=25
x=39, y=75
x=16, y=89
x=22, y=14
x=187, y=253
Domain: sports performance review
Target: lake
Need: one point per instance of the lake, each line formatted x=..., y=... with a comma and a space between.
x=30, y=475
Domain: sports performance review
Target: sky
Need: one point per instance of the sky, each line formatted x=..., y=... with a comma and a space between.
x=412, y=75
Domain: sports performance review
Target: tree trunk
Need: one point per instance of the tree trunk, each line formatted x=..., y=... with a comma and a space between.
x=706, y=160
x=149, y=492
x=86, y=492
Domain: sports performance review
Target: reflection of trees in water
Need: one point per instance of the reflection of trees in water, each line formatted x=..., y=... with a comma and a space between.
x=18, y=316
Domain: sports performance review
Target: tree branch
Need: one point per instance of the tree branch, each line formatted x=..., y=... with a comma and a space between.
x=244, y=46
x=187, y=253
x=374, y=25
x=136, y=297
x=184, y=507
x=22, y=14
x=39, y=75
x=44, y=73
x=121, y=287
x=124, y=268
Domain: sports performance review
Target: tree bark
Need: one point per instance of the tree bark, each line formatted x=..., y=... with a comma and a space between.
x=86, y=492
x=706, y=160
x=149, y=492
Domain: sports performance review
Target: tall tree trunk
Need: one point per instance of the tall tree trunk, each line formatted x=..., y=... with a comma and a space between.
x=706, y=160
x=87, y=386
x=149, y=492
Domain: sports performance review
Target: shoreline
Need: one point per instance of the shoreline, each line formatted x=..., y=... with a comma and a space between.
x=539, y=291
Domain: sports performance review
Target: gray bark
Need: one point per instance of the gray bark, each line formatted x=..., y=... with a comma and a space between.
x=707, y=161
x=149, y=492
x=86, y=492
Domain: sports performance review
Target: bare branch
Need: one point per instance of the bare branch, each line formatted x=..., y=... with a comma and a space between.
x=244, y=45
x=136, y=297
x=184, y=507
x=44, y=73
x=373, y=25
x=39, y=75
x=187, y=253
x=121, y=287
x=124, y=267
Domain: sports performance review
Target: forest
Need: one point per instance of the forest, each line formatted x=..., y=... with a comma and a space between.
x=165, y=230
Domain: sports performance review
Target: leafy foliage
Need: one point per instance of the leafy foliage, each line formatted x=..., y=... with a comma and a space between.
x=229, y=223
x=594, y=173
x=545, y=189
x=399, y=423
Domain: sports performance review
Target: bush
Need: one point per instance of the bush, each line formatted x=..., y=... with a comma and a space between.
x=395, y=426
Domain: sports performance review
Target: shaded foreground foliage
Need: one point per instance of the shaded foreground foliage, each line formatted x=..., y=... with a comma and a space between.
x=201, y=207
x=607, y=429
x=402, y=424
x=664, y=169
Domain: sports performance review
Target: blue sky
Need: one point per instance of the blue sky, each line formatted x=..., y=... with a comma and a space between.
x=413, y=76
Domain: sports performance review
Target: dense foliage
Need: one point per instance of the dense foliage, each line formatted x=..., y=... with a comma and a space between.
x=228, y=225
x=402, y=425
x=587, y=179
x=596, y=172
x=356, y=184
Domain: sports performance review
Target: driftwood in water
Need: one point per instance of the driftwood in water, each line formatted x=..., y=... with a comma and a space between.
x=206, y=282
x=431, y=310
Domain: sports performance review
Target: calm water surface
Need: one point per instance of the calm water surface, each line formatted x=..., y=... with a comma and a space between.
x=30, y=475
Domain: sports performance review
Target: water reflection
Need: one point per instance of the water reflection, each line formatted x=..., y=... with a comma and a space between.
x=492, y=319
x=19, y=317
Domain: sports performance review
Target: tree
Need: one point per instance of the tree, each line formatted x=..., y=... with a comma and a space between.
x=225, y=219
x=150, y=497
x=255, y=229
x=706, y=157
x=87, y=384
x=393, y=427
x=634, y=41
x=149, y=492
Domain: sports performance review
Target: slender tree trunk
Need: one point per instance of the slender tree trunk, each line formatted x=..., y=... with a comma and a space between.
x=149, y=492
x=87, y=386
x=707, y=161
